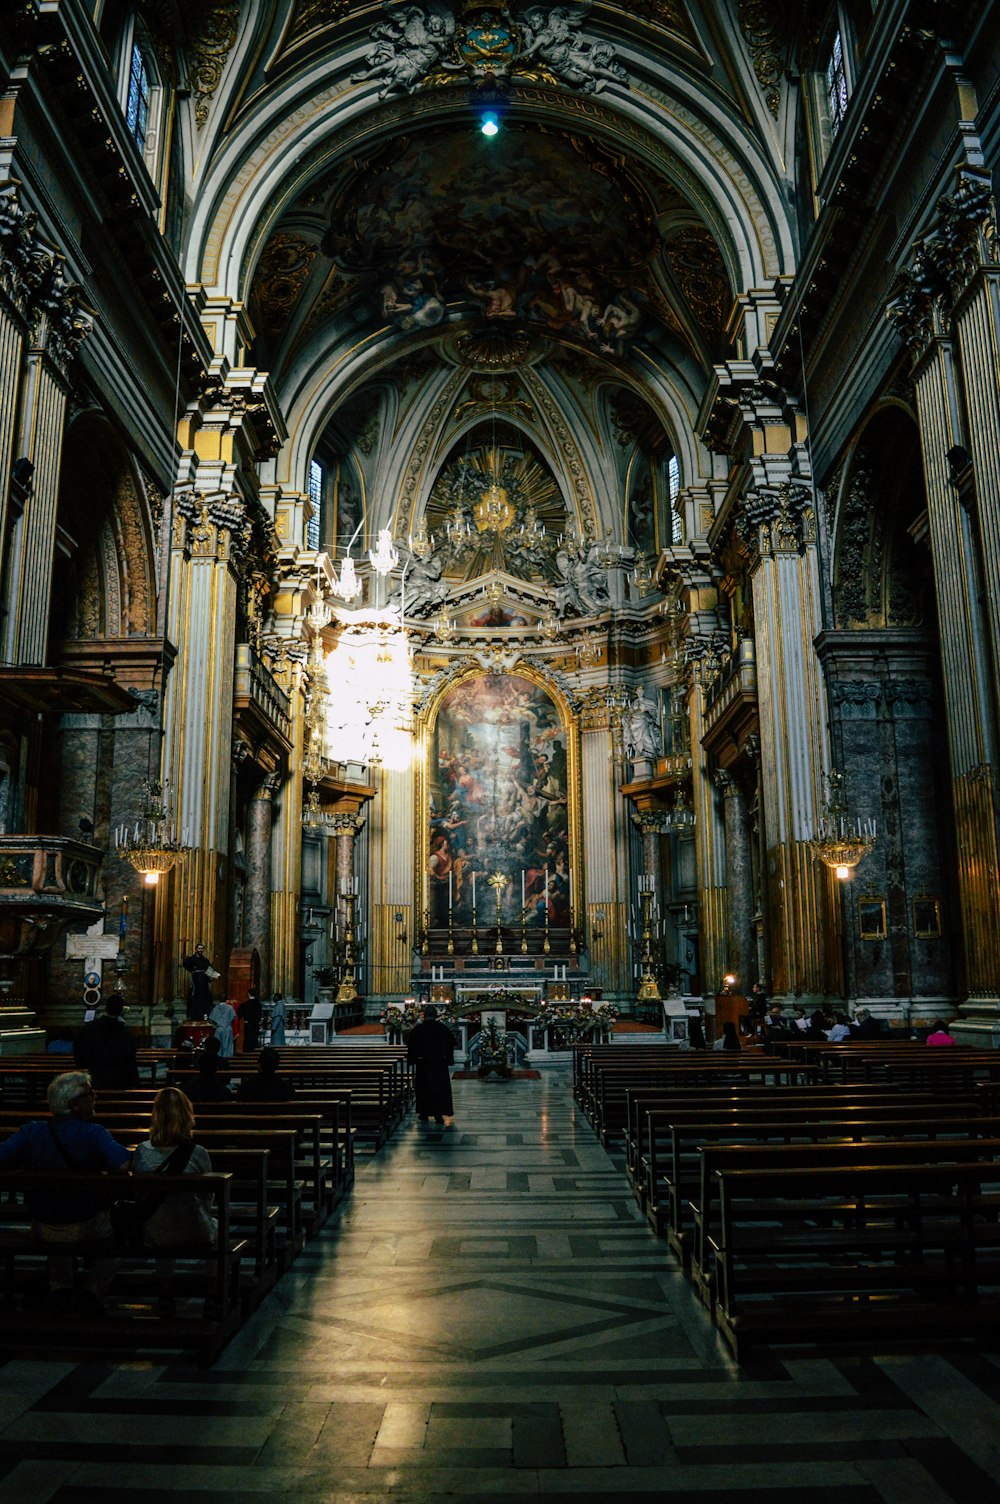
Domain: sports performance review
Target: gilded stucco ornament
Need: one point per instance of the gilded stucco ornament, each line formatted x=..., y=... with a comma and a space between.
x=423, y=44
x=777, y=519
x=20, y=269
x=213, y=40
x=762, y=25
x=59, y=317
x=962, y=239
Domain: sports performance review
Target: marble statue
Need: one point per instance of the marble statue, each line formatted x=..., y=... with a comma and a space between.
x=406, y=47
x=583, y=587
x=639, y=727
x=553, y=35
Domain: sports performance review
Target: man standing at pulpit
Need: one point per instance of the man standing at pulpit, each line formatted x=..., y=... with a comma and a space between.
x=430, y=1049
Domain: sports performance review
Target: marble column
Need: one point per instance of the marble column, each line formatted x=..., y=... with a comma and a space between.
x=779, y=531
x=257, y=906
x=346, y=825
x=741, y=948
x=605, y=851
x=650, y=824
x=964, y=547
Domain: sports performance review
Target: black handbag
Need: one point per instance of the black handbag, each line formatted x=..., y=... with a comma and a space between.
x=129, y=1217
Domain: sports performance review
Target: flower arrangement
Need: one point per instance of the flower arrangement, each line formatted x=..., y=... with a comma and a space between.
x=400, y=1020
x=581, y=1019
x=493, y=1057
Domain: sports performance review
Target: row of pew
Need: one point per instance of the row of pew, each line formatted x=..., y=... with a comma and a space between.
x=278, y=1171
x=824, y=1193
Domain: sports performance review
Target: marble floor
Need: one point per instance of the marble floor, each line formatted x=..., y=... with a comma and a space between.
x=489, y=1318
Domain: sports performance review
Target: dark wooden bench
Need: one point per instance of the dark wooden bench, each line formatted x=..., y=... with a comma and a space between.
x=708, y=1239
x=675, y=1139
x=211, y=1276
x=850, y=1251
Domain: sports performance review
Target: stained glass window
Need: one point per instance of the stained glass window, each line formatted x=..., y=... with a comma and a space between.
x=674, y=485
x=137, y=106
x=836, y=84
x=316, y=497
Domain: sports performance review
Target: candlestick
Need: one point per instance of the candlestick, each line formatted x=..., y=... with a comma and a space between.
x=522, y=887
x=450, y=876
x=473, y=890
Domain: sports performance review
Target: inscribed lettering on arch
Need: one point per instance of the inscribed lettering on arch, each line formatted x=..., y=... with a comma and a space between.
x=498, y=802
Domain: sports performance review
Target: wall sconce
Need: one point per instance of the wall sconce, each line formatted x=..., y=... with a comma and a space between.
x=597, y=925
x=400, y=919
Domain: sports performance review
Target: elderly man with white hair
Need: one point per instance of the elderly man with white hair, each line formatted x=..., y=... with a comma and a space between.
x=69, y=1140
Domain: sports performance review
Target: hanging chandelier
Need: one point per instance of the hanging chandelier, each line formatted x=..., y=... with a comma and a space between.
x=841, y=841
x=152, y=846
x=348, y=587
x=384, y=557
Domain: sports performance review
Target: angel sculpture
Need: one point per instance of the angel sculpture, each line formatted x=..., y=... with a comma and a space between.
x=554, y=36
x=584, y=584
x=407, y=47
x=421, y=588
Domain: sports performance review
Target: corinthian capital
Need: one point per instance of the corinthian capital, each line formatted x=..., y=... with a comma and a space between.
x=777, y=519
x=60, y=318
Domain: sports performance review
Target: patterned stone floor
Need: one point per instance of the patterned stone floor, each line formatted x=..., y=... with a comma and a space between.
x=490, y=1319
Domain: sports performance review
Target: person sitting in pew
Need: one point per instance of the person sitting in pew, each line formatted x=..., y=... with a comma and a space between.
x=267, y=1085
x=182, y=1217
x=208, y=1086
x=864, y=1026
x=939, y=1034
x=728, y=1039
x=840, y=1029
x=107, y=1049
x=69, y=1140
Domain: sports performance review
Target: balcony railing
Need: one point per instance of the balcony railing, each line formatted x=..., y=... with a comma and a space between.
x=257, y=690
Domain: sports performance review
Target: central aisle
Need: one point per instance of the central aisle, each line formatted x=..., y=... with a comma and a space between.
x=490, y=1318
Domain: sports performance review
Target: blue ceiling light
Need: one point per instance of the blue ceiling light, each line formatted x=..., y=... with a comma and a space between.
x=489, y=123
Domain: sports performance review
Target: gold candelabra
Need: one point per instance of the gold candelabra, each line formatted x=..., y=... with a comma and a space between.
x=348, y=989
x=475, y=933
x=649, y=992
x=425, y=935
x=524, y=932
x=451, y=930
x=499, y=882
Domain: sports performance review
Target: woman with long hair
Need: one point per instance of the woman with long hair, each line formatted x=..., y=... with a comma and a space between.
x=179, y=1218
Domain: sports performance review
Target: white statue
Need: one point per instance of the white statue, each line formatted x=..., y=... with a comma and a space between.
x=421, y=587
x=584, y=584
x=554, y=36
x=639, y=727
x=407, y=47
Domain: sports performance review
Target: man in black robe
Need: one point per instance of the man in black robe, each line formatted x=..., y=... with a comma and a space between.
x=250, y=1012
x=106, y=1048
x=197, y=965
x=430, y=1049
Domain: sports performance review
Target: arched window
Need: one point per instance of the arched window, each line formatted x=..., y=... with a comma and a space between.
x=674, y=490
x=142, y=96
x=316, y=498
x=137, y=98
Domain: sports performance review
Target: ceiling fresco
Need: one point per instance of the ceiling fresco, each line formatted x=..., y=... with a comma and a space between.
x=543, y=231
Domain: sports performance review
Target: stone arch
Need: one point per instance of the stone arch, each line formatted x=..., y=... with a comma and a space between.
x=105, y=574
x=881, y=575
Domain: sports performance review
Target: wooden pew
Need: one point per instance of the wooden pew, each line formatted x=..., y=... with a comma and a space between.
x=28, y=1318
x=857, y=1250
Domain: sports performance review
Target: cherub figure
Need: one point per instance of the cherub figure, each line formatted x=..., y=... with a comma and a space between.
x=407, y=46
x=554, y=36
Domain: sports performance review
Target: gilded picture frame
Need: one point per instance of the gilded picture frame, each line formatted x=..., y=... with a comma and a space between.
x=871, y=918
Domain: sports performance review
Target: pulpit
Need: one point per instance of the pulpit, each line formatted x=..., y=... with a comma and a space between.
x=730, y=1007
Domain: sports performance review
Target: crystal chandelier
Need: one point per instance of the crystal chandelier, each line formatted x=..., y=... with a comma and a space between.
x=421, y=543
x=384, y=557
x=549, y=626
x=841, y=842
x=152, y=846
x=444, y=629
x=348, y=587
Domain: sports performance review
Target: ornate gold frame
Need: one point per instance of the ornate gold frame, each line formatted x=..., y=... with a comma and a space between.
x=424, y=724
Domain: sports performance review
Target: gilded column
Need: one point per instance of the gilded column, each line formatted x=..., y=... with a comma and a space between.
x=778, y=529
x=209, y=535
x=605, y=850
x=59, y=323
x=964, y=522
